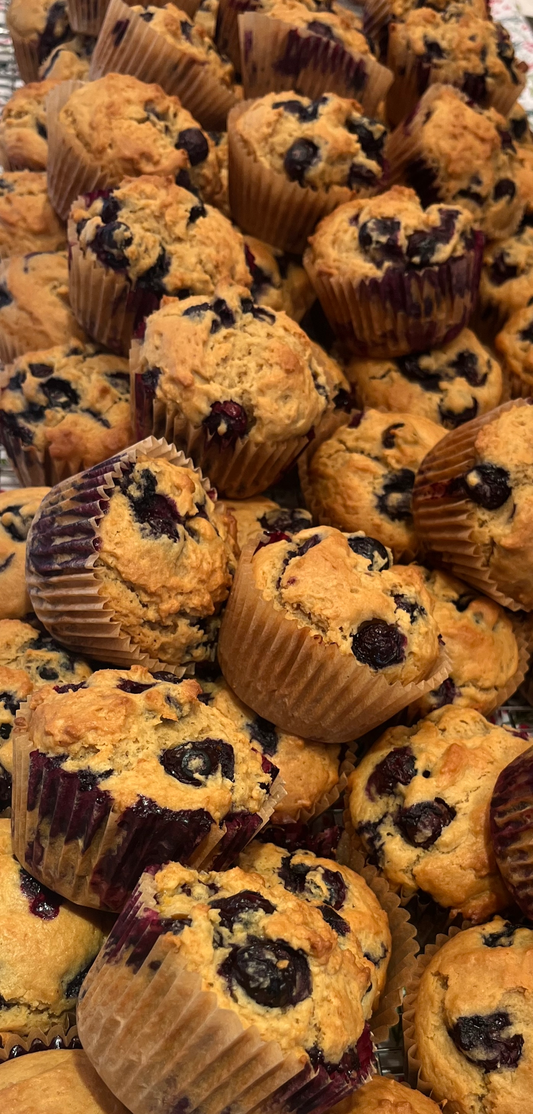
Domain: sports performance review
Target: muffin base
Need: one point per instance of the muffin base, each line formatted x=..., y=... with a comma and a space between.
x=325, y=802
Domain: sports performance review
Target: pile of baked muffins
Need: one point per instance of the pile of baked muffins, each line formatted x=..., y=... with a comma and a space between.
x=266, y=332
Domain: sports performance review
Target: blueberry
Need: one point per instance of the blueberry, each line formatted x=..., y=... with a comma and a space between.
x=186, y=28
x=285, y=520
x=413, y=609
x=370, y=143
x=396, y=495
x=500, y=271
x=73, y=988
x=299, y=158
x=371, y=549
x=423, y=823
x=41, y=371
x=196, y=212
x=71, y=687
x=410, y=367
x=226, y=317
x=378, y=644
x=360, y=176
x=17, y=530
x=322, y=29
x=152, y=278
x=502, y=939
x=306, y=113
x=5, y=297
x=56, y=30
x=135, y=687
x=487, y=485
x=444, y=694
x=157, y=512
x=6, y=780
x=109, y=243
x=260, y=279
x=388, y=437
x=60, y=394
x=451, y=419
x=397, y=768
x=466, y=365
x=119, y=30
x=192, y=763
x=475, y=87
x=262, y=731
x=380, y=237
x=432, y=50
x=504, y=188
x=43, y=903
x=194, y=142
x=231, y=909
x=295, y=878
x=270, y=972
x=480, y=1039
x=463, y=601
x=227, y=421
x=334, y=920
x=421, y=248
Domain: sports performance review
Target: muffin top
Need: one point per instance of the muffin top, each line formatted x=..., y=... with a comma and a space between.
x=253, y=516
x=72, y=400
x=129, y=128
x=17, y=509
x=514, y=344
x=362, y=477
x=507, y=273
x=70, y=60
x=480, y=643
x=344, y=589
x=278, y=279
x=44, y=21
x=188, y=36
x=27, y=220
x=23, y=134
x=469, y=158
x=34, y=922
x=161, y=236
x=239, y=369
x=319, y=144
x=449, y=385
x=34, y=305
x=339, y=25
x=366, y=238
x=345, y=901
x=382, y=1095
x=472, y=1019
x=399, y=9
x=43, y=660
x=44, y=1081
x=435, y=837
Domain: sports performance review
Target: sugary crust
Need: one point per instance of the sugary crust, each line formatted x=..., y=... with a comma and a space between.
x=27, y=219
x=39, y=313
x=53, y=1081
x=17, y=509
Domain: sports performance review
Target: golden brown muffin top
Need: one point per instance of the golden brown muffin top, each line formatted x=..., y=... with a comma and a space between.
x=54, y=1081
x=27, y=219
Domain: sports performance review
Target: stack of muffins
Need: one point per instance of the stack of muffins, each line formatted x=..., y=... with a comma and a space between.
x=266, y=337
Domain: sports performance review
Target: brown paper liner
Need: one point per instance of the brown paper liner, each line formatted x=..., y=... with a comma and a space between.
x=403, y=311
x=266, y=205
x=376, y=18
x=69, y=173
x=325, y=802
x=147, y=55
x=227, y=31
x=277, y=57
x=69, y=605
x=86, y=16
x=415, y=1075
x=513, y=385
x=26, y=57
x=58, y=1036
x=443, y=521
x=306, y=687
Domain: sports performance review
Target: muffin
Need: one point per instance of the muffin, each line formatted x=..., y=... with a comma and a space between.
x=519, y=127
x=63, y=409
x=27, y=221
x=23, y=131
x=155, y=561
x=292, y=160
x=470, y=1019
x=43, y=1084
x=132, y=245
x=255, y=516
x=393, y=277
x=472, y=503
x=278, y=279
x=206, y=17
x=35, y=29
x=34, y=306
x=510, y=828
x=15, y=687
x=449, y=385
x=514, y=346
x=47, y=949
x=379, y=14
x=284, y=1014
x=118, y=127
x=69, y=61
x=382, y=1095
x=344, y=899
x=452, y=150
x=435, y=838
x=455, y=47
x=17, y=509
x=161, y=43
x=487, y=661
x=506, y=284
x=325, y=637
x=237, y=386
x=144, y=772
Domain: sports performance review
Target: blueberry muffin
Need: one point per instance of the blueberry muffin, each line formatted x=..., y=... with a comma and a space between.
x=448, y=385
x=278, y=279
x=23, y=132
x=63, y=409
x=146, y=238
x=253, y=516
x=15, y=687
x=269, y=962
x=27, y=220
x=36, y=27
x=17, y=509
x=481, y=645
x=453, y=151
x=206, y=17
x=393, y=277
x=514, y=344
x=471, y=1019
x=378, y=16
x=43, y=1083
x=519, y=127
x=69, y=61
x=170, y=776
x=506, y=284
x=331, y=22
x=34, y=306
x=435, y=837
x=362, y=478
x=382, y=1095
x=345, y=901
x=37, y=924
x=238, y=386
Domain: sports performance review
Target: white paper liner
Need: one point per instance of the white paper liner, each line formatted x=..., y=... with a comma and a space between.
x=69, y=173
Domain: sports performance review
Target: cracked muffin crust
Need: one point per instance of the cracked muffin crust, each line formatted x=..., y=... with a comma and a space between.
x=420, y=800
x=17, y=509
x=34, y=306
x=382, y=1095
x=27, y=220
x=47, y=948
x=448, y=385
x=362, y=478
x=344, y=899
x=23, y=133
x=253, y=516
x=278, y=279
x=471, y=1019
x=44, y=1081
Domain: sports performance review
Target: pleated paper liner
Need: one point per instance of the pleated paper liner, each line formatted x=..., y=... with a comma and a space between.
x=266, y=205
x=304, y=686
x=277, y=57
x=13, y=1045
x=69, y=603
x=70, y=171
x=138, y=49
x=376, y=18
x=227, y=30
x=161, y=1042
x=326, y=801
x=403, y=311
x=26, y=57
x=444, y=521
x=86, y=16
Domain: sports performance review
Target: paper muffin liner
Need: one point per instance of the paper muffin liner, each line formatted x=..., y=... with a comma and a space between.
x=326, y=801
x=404, y=311
x=277, y=57
x=65, y=534
x=69, y=172
x=26, y=57
x=443, y=521
x=13, y=1045
x=86, y=16
x=127, y=44
x=376, y=18
x=162, y=1044
x=513, y=385
x=415, y=1074
x=227, y=30
x=306, y=687
x=265, y=204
